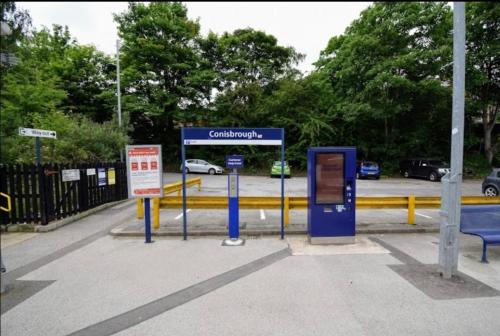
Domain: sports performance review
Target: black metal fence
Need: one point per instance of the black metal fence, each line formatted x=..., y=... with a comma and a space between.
x=43, y=193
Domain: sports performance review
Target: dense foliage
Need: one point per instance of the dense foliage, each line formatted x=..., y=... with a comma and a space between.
x=383, y=86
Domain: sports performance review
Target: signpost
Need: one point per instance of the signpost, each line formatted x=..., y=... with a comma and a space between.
x=233, y=136
x=233, y=162
x=145, y=177
x=37, y=133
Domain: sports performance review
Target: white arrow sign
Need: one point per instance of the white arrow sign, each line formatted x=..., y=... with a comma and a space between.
x=33, y=132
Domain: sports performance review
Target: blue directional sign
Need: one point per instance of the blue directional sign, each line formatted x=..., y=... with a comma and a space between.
x=233, y=136
x=234, y=161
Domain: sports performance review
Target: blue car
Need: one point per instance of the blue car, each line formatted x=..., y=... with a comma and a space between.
x=366, y=169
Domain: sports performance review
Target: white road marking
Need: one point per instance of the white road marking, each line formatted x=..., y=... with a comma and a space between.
x=180, y=216
x=419, y=214
x=262, y=214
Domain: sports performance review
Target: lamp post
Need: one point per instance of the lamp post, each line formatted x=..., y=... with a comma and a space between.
x=118, y=91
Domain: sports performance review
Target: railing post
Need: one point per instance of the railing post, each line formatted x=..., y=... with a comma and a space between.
x=140, y=208
x=156, y=213
x=287, y=211
x=411, y=209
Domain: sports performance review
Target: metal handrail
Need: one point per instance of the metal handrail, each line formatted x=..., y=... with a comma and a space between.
x=9, y=203
x=169, y=189
x=300, y=203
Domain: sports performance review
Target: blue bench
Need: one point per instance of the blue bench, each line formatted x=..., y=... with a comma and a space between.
x=482, y=221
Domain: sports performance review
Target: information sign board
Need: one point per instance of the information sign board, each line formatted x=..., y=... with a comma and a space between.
x=234, y=161
x=233, y=136
x=111, y=176
x=70, y=175
x=101, y=177
x=144, y=171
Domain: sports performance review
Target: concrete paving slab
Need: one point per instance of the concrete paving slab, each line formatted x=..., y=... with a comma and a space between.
x=354, y=294
x=12, y=238
x=28, y=251
x=325, y=295
x=300, y=245
x=112, y=276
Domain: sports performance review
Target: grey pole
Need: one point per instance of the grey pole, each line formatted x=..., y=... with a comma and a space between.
x=452, y=182
x=118, y=91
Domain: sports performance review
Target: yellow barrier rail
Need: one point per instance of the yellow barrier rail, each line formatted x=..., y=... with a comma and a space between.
x=300, y=203
x=9, y=203
x=167, y=189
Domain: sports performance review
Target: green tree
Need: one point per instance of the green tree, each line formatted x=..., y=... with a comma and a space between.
x=391, y=74
x=52, y=78
x=166, y=78
x=252, y=62
x=19, y=22
x=483, y=70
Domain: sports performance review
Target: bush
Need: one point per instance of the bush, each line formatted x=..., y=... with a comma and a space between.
x=78, y=139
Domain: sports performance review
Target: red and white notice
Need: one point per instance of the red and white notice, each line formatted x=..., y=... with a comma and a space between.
x=144, y=171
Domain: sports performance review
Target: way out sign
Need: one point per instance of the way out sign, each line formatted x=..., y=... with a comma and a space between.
x=33, y=132
x=144, y=171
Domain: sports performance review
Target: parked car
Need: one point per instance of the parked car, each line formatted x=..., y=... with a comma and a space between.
x=367, y=169
x=276, y=169
x=491, y=183
x=432, y=169
x=202, y=166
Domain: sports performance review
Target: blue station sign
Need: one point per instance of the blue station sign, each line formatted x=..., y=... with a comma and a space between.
x=234, y=161
x=233, y=136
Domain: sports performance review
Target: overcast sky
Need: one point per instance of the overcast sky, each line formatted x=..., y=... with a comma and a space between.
x=306, y=26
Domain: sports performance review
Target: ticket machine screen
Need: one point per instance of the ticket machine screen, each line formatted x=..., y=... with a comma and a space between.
x=330, y=178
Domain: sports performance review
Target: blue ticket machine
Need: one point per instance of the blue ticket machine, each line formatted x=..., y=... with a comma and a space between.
x=331, y=192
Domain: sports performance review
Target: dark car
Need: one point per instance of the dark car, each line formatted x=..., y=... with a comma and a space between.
x=491, y=183
x=367, y=169
x=432, y=169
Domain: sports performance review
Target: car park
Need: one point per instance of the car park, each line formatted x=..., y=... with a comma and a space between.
x=431, y=169
x=276, y=169
x=202, y=166
x=491, y=183
x=367, y=169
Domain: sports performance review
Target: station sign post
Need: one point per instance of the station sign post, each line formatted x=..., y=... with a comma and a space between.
x=204, y=136
x=233, y=162
x=145, y=178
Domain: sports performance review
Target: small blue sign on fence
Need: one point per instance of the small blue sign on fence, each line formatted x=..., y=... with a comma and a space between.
x=234, y=161
x=101, y=177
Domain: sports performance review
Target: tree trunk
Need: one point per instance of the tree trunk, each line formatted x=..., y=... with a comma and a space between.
x=489, y=119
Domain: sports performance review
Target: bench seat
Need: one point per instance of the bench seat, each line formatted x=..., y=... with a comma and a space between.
x=482, y=221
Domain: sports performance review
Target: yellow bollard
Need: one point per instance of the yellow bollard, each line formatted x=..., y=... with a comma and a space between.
x=199, y=185
x=178, y=193
x=411, y=209
x=140, y=208
x=156, y=213
x=286, y=211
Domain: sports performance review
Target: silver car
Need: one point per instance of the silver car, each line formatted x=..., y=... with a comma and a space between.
x=491, y=183
x=202, y=166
